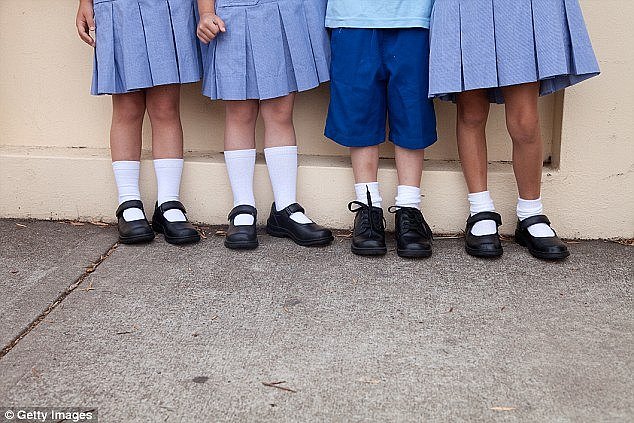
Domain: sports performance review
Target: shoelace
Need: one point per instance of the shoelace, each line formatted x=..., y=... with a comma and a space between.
x=372, y=219
x=411, y=220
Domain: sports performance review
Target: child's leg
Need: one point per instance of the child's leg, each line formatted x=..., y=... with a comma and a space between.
x=365, y=165
x=522, y=121
x=409, y=166
x=473, y=112
x=163, y=106
x=240, y=121
x=128, y=111
x=281, y=152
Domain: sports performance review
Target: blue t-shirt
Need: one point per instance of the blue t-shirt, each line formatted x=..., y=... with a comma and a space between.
x=378, y=13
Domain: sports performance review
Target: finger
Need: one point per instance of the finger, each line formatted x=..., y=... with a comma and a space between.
x=90, y=19
x=82, y=30
x=207, y=30
x=202, y=36
x=221, y=24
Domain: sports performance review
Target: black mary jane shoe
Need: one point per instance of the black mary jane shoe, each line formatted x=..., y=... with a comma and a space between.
x=545, y=248
x=413, y=234
x=174, y=232
x=281, y=225
x=484, y=246
x=368, y=234
x=135, y=231
x=242, y=237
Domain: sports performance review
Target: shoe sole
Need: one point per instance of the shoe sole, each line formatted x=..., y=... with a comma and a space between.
x=176, y=240
x=283, y=233
x=370, y=252
x=538, y=254
x=484, y=254
x=139, y=239
x=242, y=245
x=413, y=254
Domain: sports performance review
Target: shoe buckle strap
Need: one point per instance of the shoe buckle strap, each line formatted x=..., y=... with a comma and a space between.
x=172, y=205
x=130, y=204
x=479, y=217
x=294, y=208
x=533, y=220
x=243, y=209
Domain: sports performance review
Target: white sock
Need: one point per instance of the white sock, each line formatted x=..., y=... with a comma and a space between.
x=361, y=189
x=482, y=202
x=282, y=165
x=241, y=167
x=126, y=176
x=408, y=196
x=529, y=208
x=168, y=181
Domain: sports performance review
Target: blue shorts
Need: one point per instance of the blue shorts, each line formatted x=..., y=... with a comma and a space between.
x=379, y=75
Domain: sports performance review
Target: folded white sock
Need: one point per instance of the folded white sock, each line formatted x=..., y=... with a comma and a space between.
x=282, y=165
x=529, y=208
x=241, y=167
x=482, y=202
x=408, y=196
x=361, y=190
x=126, y=175
x=168, y=183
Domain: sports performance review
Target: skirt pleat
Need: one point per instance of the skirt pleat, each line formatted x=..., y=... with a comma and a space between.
x=144, y=43
x=271, y=48
x=508, y=42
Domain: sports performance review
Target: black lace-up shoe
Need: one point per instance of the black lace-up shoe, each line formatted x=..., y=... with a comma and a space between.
x=413, y=235
x=546, y=248
x=486, y=246
x=135, y=231
x=281, y=225
x=242, y=237
x=174, y=232
x=368, y=235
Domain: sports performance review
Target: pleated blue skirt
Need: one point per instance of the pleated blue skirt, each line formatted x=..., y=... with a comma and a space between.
x=145, y=43
x=488, y=44
x=271, y=48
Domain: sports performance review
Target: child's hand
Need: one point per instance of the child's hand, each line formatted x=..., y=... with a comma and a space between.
x=85, y=21
x=209, y=26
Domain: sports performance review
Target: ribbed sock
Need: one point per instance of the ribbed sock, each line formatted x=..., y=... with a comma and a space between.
x=241, y=167
x=126, y=175
x=529, y=208
x=482, y=202
x=168, y=183
x=361, y=189
x=282, y=165
x=408, y=196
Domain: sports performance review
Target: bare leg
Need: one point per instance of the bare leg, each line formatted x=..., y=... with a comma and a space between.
x=522, y=121
x=163, y=106
x=277, y=114
x=128, y=111
x=409, y=166
x=473, y=112
x=240, y=120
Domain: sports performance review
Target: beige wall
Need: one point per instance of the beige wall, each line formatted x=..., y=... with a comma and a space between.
x=54, y=159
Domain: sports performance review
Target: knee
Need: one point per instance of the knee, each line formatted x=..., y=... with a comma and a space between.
x=128, y=111
x=524, y=129
x=472, y=118
x=163, y=110
x=242, y=114
x=280, y=113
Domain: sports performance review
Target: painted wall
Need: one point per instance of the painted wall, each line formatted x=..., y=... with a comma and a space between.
x=54, y=158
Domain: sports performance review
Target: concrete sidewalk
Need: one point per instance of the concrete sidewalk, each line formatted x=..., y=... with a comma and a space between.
x=195, y=334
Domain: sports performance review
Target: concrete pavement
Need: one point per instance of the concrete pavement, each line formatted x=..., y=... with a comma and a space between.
x=201, y=333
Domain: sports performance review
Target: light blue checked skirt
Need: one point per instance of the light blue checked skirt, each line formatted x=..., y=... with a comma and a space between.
x=271, y=48
x=145, y=43
x=478, y=44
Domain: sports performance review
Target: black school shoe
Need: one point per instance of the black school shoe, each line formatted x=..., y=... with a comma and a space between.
x=174, y=232
x=243, y=237
x=484, y=246
x=546, y=248
x=281, y=225
x=136, y=231
x=368, y=234
x=413, y=234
